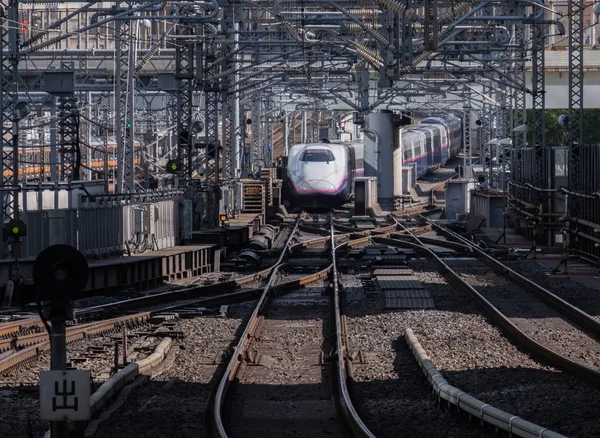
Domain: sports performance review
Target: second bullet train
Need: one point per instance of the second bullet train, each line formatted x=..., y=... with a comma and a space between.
x=322, y=174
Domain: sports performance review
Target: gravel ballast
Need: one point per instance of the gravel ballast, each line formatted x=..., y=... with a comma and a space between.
x=172, y=403
x=472, y=354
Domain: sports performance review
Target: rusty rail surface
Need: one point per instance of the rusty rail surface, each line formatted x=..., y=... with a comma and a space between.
x=37, y=343
x=343, y=404
x=246, y=338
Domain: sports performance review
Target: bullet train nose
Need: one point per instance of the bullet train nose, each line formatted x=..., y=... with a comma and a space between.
x=319, y=184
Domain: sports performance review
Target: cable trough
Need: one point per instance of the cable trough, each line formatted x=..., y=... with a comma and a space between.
x=512, y=424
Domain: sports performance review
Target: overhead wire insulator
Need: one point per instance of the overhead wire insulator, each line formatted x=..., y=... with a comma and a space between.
x=367, y=54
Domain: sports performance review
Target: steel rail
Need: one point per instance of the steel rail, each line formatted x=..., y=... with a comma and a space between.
x=246, y=337
x=10, y=328
x=496, y=315
x=416, y=211
x=270, y=291
x=343, y=403
x=540, y=292
x=35, y=344
x=186, y=293
x=348, y=230
x=81, y=331
x=10, y=340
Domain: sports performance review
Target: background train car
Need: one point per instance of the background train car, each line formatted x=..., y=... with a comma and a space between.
x=431, y=143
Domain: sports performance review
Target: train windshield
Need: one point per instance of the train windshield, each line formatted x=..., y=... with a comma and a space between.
x=317, y=156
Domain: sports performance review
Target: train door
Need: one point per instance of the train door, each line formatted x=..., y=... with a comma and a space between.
x=420, y=154
x=444, y=144
x=438, y=141
x=351, y=166
x=429, y=148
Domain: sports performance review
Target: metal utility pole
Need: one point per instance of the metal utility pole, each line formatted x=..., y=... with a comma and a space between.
x=184, y=74
x=54, y=140
x=68, y=132
x=286, y=135
x=257, y=150
x=467, y=158
x=538, y=91
x=125, y=63
x=9, y=75
x=519, y=114
x=211, y=118
x=575, y=139
x=303, y=134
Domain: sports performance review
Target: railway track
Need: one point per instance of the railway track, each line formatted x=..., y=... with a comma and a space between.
x=20, y=349
x=28, y=340
x=294, y=363
x=274, y=384
x=18, y=338
x=547, y=325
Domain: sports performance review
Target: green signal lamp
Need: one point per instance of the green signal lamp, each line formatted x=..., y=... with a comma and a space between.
x=173, y=166
x=15, y=228
x=128, y=125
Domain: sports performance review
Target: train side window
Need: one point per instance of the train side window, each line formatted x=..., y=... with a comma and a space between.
x=317, y=156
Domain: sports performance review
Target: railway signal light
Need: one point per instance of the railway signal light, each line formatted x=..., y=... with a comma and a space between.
x=173, y=166
x=22, y=110
x=223, y=219
x=197, y=127
x=60, y=273
x=15, y=228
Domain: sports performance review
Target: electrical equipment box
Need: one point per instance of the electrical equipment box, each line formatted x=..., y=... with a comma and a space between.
x=138, y=220
x=187, y=219
x=149, y=219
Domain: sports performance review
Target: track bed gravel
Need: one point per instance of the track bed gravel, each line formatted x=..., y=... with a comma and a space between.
x=172, y=403
x=532, y=315
x=567, y=288
x=473, y=355
x=288, y=392
x=19, y=387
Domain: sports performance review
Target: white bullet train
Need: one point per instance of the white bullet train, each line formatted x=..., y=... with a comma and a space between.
x=322, y=174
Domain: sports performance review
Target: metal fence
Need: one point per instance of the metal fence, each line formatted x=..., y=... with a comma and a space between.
x=102, y=228
x=582, y=228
